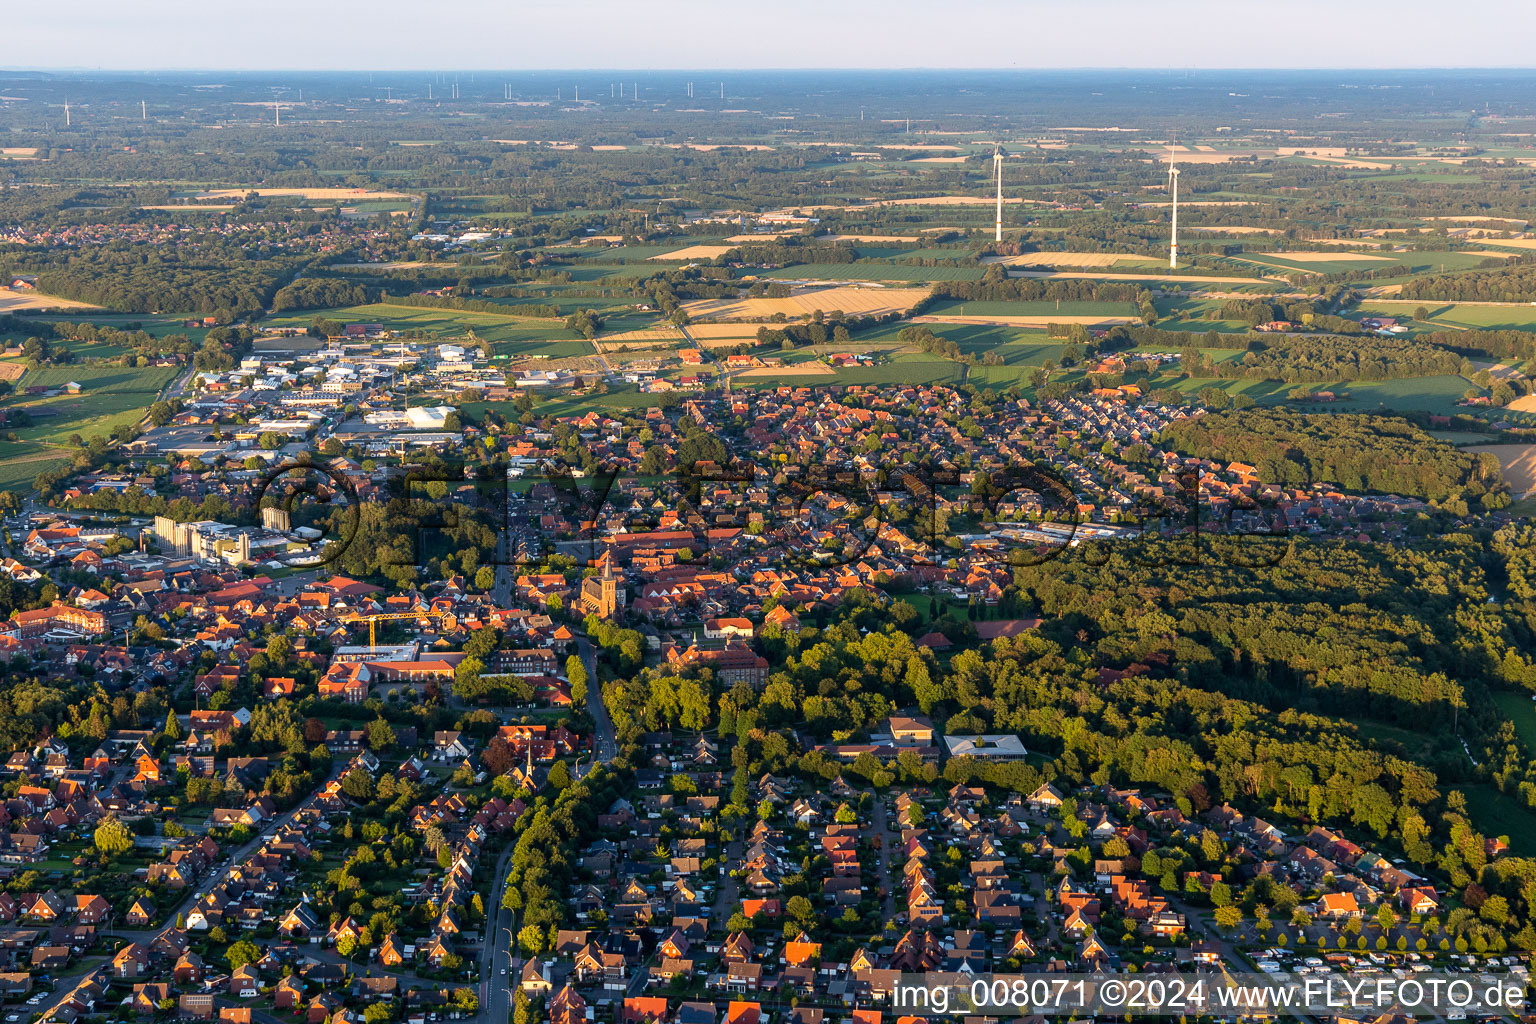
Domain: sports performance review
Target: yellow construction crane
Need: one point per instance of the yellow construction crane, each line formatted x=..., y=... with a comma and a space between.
x=373, y=619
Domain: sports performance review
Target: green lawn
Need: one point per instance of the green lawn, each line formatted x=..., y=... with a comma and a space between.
x=1496, y=814
x=1412, y=394
x=1518, y=707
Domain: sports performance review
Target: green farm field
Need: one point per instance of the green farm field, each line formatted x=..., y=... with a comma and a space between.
x=89, y=414
x=1413, y=394
x=872, y=272
x=1466, y=314
x=1045, y=307
x=20, y=462
x=98, y=379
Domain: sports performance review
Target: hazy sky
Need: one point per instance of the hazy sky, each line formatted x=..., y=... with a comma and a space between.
x=698, y=34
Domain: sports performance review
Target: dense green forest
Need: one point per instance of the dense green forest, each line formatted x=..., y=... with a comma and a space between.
x=1356, y=452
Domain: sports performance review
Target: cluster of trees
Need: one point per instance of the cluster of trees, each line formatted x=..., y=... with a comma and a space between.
x=470, y=305
x=1359, y=453
x=321, y=293
x=1327, y=357
x=1503, y=281
x=791, y=251
x=584, y=322
x=543, y=860
x=213, y=275
x=410, y=539
x=1022, y=289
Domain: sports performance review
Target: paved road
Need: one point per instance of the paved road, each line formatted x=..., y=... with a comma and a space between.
x=607, y=739
x=497, y=959
x=888, y=838
x=498, y=950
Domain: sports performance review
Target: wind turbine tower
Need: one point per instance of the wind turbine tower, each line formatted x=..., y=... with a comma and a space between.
x=66, y=112
x=1173, y=236
x=997, y=163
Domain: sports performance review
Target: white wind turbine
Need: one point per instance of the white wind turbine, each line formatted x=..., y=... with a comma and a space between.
x=997, y=163
x=1173, y=237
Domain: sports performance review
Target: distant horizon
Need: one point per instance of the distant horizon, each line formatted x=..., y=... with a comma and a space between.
x=865, y=35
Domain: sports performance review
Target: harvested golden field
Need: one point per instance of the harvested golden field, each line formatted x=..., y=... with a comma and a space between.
x=1357, y=165
x=11, y=302
x=1240, y=230
x=1512, y=243
x=805, y=301
x=869, y=238
x=1516, y=461
x=652, y=336
x=696, y=252
x=1077, y=275
x=1525, y=403
x=809, y=368
x=1070, y=259
x=12, y=371
x=1479, y=218
x=353, y=194
x=716, y=332
x=1324, y=257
